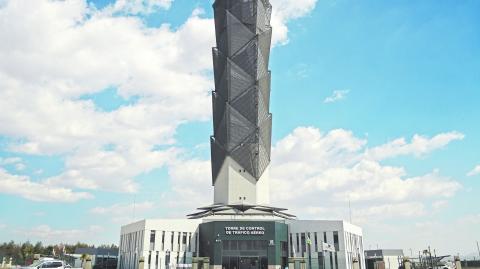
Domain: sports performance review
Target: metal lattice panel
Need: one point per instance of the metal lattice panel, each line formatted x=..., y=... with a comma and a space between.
x=264, y=89
x=230, y=81
x=241, y=101
x=218, y=155
x=247, y=104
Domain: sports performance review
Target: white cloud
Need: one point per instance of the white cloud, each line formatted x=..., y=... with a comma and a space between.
x=39, y=214
x=50, y=235
x=66, y=50
x=123, y=213
x=136, y=7
x=61, y=55
x=28, y=189
x=110, y=170
x=20, y=166
x=191, y=185
x=475, y=171
x=9, y=161
x=337, y=95
x=332, y=166
x=419, y=146
x=285, y=11
x=15, y=161
x=439, y=205
x=390, y=211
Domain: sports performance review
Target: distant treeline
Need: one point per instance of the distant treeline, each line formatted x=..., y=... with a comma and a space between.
x=22, y=253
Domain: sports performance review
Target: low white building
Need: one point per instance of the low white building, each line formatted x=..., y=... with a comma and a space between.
x=167, y=244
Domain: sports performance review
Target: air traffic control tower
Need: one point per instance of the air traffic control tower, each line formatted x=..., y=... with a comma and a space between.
x=242, y=124
x=240, y=229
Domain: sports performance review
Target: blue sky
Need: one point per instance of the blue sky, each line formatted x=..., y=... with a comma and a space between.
x=106, y=116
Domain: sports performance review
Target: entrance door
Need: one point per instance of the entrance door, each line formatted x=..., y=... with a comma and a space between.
x=249, y=263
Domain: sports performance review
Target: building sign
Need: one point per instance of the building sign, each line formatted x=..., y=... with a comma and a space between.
x=244, y=230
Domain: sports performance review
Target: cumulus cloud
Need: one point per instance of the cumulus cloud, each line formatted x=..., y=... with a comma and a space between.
x=337, y=95
x=419, y=146
x=41, y=192
x=191, y=185
x=66, y=51
x=475, y=171
x=285, y=11
x=50, y=235
x=136, y=7
x=325, y=172
x=339, y=172
x=123, y=213
x=9, y=161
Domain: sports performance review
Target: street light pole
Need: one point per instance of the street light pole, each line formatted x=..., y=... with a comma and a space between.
x=478, y=248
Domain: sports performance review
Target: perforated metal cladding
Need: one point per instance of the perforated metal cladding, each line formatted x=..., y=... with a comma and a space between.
x=242, y=122
x=218, y=155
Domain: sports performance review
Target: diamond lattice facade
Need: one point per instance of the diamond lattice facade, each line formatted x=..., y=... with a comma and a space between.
x=240, y=146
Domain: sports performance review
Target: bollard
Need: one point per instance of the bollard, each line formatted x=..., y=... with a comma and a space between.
x=303, y=264
x=291, y=263
x=356, y=263
x=406, y=263
x=88, y=263
x=194, y=263
x=206, y=263
x=458, y=263
x=141, y=263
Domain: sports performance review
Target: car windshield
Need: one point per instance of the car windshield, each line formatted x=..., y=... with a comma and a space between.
x=36, y=263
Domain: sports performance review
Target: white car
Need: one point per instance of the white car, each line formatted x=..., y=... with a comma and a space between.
x=48, y=263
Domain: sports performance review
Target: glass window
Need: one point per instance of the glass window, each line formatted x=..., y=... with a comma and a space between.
x=243, y=245
x=291, y=245
x=331, y=260
x=152, y=240
x=152, y=236
x=234, y=262
x=325, y=237
x=225, y=262
x=178, y=241
x=316, y=241
x=189, y=242
x=171, y=241
x=234, y=245
x=149, y=259
x=263, y=263
x=335, y=240
x=226, y=245
x=163, y=240
x=156, y=260
x=321, y=260
x=304, y=245
x=298, y=243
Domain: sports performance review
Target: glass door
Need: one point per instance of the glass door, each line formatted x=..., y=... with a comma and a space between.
x=249, y=263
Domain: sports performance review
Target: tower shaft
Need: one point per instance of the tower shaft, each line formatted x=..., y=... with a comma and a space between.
x=242, y=123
